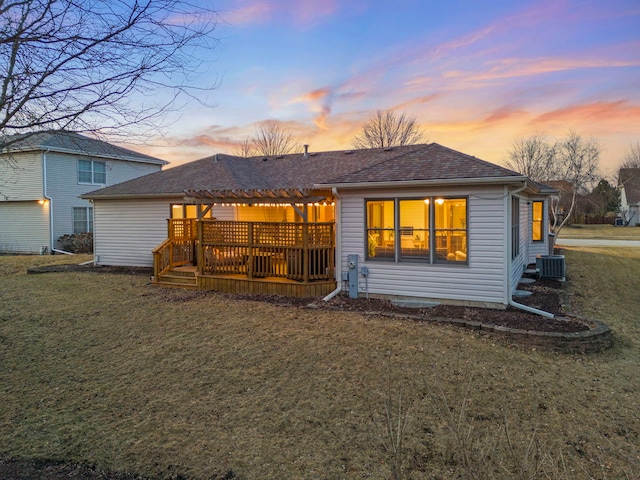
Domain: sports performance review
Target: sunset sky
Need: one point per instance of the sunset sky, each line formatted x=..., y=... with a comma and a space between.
x=475, y=75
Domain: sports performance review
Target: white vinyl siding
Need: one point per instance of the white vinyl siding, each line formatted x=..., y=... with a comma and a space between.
x=63, y=188
x=480, y=281
x=126, y=231
x=24, y=227
x=21, y=177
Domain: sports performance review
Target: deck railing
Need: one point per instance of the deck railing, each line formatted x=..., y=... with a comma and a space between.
x=178, y=249
x=298, y=251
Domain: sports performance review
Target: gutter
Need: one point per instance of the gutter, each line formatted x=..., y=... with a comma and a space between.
x=338, y=267
x=510, y=299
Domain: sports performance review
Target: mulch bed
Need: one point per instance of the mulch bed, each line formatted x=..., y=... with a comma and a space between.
x=546, y=296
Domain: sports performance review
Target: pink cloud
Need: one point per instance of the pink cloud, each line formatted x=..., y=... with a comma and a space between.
x=294, y=12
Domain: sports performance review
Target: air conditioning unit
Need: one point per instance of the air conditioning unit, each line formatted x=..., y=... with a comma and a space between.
x=551, y=266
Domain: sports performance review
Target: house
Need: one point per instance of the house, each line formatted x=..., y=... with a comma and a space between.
x=411, y=222
x=629, y=184
x=42, y=176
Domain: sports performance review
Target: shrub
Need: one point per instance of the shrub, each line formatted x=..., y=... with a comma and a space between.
x=77, y=243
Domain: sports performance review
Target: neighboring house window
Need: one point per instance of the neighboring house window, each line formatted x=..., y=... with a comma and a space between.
x=82, y=219
x=427, y=229
x=93, y=172
x=515, y=227
x=537, y=222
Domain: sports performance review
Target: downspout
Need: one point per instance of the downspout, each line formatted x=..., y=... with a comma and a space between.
x=45, y=194
x=510, y=299
x=338, y=266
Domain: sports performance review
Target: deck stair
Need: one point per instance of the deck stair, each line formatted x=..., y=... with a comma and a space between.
x=180, y=277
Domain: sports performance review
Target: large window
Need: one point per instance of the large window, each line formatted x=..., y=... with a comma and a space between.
x=93, y=172
x=82, y=219
x=430, y=229
x=537, y=221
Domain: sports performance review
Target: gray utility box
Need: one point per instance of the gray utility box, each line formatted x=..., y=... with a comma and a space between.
x=551, y=266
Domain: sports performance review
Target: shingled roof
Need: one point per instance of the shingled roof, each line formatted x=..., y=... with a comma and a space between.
x=74, y=143
x=629, y=178
x=313, y=171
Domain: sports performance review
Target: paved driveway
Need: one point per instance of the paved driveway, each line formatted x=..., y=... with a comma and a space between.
x=587, y=242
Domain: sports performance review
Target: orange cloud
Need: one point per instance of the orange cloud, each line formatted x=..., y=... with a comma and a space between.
x=596, y=113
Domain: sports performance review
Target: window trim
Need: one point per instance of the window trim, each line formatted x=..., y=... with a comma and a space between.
x=91, y=172
x=534, y=221
x=432, y=258
x=89, y=220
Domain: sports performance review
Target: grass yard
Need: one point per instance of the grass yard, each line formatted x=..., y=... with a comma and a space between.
x=600, y=232
x=106, y=370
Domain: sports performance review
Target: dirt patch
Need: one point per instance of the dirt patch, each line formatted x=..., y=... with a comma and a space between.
x=91, y=268
x=12, y=469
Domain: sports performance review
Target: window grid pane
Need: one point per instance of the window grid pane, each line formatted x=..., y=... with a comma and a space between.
x=380, y=229
x=414, y=228
x=537, y=222
x=451, y=229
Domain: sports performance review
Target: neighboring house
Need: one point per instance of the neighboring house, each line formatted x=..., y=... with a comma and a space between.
x=629, y=184
x=420, y=221
x=42, y=176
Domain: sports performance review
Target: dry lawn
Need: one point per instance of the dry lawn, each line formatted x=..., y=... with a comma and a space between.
x=601, y=232
x=107, y=370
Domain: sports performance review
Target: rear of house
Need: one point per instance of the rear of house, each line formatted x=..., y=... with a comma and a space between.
x=417, y=222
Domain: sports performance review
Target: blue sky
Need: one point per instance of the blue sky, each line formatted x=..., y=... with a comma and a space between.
x=475, y=75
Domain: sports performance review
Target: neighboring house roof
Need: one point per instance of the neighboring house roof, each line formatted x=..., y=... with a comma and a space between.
x=629, y=179
x=419, y=164
x=74, y=143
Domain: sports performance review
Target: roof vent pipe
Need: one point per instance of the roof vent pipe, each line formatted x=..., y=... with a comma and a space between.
x=306, y=150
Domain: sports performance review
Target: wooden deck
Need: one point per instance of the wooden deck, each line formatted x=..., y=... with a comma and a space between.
x=265, y=258
x=187, y=277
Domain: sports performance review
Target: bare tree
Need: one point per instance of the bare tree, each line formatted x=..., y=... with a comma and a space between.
x=632, y=158
x=577, y=162
x=244, y=149
x=571, y=163
x=75, y=65
x=386, y=129
x=268, y=140
x=533, y=157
